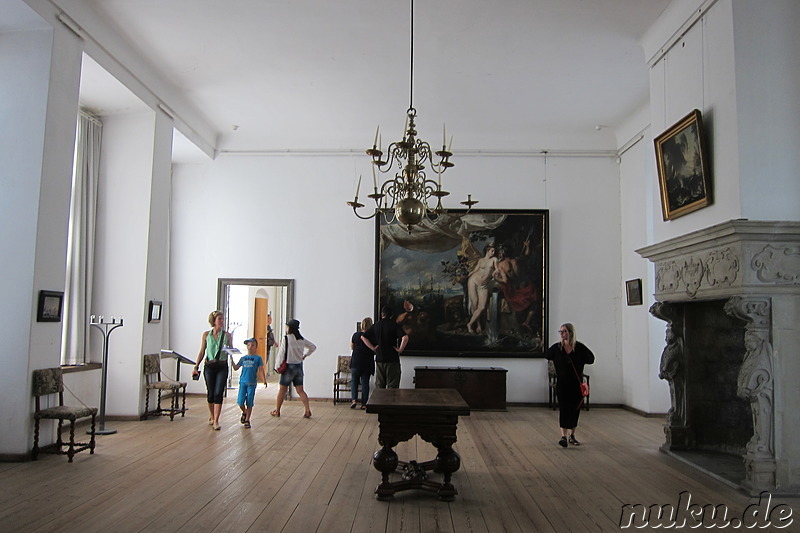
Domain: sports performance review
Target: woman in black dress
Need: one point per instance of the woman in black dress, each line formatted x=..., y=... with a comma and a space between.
x=569, y=356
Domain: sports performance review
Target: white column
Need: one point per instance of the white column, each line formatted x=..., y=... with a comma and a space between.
x=40, y=79
x=131, y=253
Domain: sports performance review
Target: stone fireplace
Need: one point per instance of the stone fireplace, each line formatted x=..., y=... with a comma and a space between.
x=730, y=296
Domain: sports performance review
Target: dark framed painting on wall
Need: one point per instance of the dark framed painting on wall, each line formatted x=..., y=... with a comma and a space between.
x=633, y=291
x=682, y=162
x=467, y=284
x=50, y=306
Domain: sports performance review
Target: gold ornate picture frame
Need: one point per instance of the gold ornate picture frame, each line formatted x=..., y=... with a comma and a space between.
x=682, y=162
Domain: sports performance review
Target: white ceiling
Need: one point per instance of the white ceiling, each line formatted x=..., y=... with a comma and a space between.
x=321, y=75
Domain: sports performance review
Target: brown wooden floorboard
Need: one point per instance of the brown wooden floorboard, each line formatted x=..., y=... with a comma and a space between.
x=291, y=474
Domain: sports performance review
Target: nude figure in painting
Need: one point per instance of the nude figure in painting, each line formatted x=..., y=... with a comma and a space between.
x=478, y=287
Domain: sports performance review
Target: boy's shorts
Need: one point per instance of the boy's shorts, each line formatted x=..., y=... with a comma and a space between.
x=247, y=394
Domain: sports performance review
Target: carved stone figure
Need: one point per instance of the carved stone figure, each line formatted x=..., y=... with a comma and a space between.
x=754, y=384
x=672, y=369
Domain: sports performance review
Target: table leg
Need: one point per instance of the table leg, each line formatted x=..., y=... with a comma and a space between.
x=447, y=461
x=385, y=461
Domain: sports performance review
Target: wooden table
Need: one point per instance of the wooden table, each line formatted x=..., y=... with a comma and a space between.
x=433, y=415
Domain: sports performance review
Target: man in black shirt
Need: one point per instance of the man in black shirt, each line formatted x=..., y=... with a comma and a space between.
x=386, y=333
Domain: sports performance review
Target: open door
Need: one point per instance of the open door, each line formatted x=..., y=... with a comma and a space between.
x=260, y=316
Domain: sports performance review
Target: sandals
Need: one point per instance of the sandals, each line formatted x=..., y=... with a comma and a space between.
x=363, y=407
x=563, y=442
x=216, y=427
x=275, y=413
x=353, y=405
x=247, y=424
x=243, y=419
x=210, y=421
x=573, y=441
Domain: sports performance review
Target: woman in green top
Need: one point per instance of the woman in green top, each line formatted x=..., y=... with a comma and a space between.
x=212, y=349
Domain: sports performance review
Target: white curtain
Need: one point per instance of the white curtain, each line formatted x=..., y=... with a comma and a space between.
x=80, y=242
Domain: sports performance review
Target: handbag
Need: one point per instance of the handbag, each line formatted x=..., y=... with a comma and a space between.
x=282, y=367
x=584, y=385
x=215, y=361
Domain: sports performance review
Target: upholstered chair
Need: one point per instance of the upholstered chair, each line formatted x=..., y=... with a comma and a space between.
x=48, y=382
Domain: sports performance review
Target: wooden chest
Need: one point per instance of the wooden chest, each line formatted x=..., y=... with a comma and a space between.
x=482, y=388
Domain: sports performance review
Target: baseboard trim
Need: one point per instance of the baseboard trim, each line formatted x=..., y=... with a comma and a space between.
x=123, y=418
x=15, y=457
x=594, y=406
x=643, y=413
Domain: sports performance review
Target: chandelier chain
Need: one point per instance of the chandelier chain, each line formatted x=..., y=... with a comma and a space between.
x=411, y=62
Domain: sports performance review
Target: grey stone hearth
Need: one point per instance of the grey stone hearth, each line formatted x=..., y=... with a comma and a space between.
x=730, y=295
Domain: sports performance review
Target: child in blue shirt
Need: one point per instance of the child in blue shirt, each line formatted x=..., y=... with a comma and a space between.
x=252, y=369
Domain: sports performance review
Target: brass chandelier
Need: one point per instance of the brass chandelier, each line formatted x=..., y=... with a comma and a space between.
x=407, y=196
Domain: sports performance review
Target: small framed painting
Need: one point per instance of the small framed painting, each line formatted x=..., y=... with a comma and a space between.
x=154, y=314
x=633, y=290
x=682, y=163
x=50, y=305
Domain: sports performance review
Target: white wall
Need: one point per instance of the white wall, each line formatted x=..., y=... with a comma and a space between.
x=697, y=73
x=313, y=237
x=767, y=52
x=642, y=334
x=739, y=64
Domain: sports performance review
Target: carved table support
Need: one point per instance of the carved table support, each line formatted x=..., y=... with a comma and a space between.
x=755, y=384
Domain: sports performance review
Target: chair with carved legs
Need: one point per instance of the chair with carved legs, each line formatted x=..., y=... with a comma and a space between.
x=342, y=380
x=47, y=382
x=153, y=381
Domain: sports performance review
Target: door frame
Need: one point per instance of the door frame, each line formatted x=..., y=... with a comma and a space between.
x=223, y=285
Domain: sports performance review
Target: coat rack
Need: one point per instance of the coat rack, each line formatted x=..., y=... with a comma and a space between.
x=105, y=327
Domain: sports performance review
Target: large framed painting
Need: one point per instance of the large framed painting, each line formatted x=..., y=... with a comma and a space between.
x=467, y=284
x=682, y=162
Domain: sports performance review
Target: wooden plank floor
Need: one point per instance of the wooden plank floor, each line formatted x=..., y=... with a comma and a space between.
x=295, y=475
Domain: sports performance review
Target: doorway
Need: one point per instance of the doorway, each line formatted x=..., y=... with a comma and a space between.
x=251, y=305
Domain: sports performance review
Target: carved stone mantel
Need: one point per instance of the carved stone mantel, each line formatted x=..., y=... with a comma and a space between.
x=732, y=258
x=754, y=267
